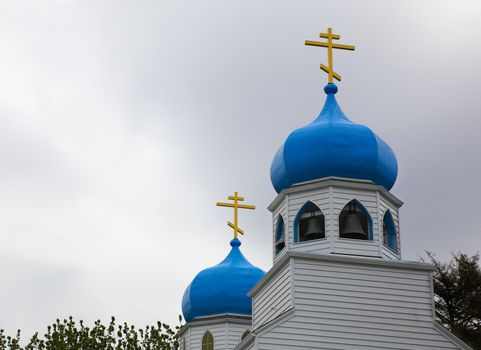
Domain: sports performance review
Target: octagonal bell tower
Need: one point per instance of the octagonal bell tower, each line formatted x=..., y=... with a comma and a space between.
x=333, y=178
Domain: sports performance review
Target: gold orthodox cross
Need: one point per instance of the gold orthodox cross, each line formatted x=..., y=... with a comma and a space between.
x=330, y=45
x=236, y=206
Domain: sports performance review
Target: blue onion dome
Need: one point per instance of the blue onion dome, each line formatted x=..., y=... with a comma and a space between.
x=332, y=145
x=222, y=289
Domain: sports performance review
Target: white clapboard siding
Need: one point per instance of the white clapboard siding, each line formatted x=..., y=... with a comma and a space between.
x=249, y=347
x=234, y=334
x=227, y=333
x=388, y=253
x=294, y=334
x=280, y=255
x=356, y=247
x=217, y=330
x=321, y=246
x=185, y=338
x=273, y=299
x=342, y=305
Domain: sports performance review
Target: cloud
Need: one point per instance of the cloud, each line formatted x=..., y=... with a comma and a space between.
x=122, y=124
x=40, y=290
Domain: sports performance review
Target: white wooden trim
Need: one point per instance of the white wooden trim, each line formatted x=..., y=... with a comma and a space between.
x=451, y=336
x=338, y=182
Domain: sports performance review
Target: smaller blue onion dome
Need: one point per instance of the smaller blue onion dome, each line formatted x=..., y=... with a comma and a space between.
x=332, y=145
x=222, y=289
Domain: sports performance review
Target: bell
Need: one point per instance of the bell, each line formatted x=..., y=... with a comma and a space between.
x=352, y=227
x=280, y=244
x=314, y=229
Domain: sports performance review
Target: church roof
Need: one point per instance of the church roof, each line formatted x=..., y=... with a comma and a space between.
x=332, y=145
x=222, y=289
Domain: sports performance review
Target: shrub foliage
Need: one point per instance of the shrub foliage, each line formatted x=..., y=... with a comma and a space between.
x=67, y=335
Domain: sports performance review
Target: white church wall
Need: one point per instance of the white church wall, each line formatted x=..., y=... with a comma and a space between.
x=324, y=284
x=289, y=335
x=321, y=246
x=234, y=334
x=356, y=247
x=335, y=293
x=246, y=347
x=184, y=340
x=273, y=299
x=197, y=332
x=227, y=332
x=389, y=254
x=358, y=305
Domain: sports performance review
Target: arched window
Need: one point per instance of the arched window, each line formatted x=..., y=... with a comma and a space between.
x=309, y=223
x=280, y=235
x=389, y=231
x=208, y=341
x=245, y=334
x=355, y=222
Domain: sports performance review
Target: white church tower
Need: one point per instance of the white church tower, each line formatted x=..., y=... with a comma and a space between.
x=338, y=280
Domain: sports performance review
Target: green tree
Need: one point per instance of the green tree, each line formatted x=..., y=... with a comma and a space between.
x=66, y=335
x=457, y=289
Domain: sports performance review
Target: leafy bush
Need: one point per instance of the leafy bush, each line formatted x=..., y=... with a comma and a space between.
x=66, y=335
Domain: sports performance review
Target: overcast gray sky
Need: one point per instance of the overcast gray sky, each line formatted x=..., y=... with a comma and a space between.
x=123, y=122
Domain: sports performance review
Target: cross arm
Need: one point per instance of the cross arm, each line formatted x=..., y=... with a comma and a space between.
x=315, y=43
x=344, y=47
x=233, y=198
x=333, y=36
x=327, y=70
x=237, y=229
x=335, y=46
x=245, y=206
x=220, y=204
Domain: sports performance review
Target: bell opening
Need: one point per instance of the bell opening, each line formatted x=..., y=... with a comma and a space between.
x=280, y=235
x=354, y=222
x=389, y=235
x=311, y=223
